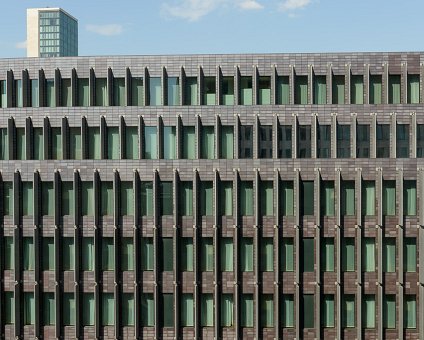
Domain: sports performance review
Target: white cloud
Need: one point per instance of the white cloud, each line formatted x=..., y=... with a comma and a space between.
x=21, y=45
x=107, y=30
x=250, y=5
x=290, y=5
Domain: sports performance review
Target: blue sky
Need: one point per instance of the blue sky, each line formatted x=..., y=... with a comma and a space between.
x=111, y=27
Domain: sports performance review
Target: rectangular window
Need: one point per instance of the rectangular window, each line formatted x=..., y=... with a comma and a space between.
x=264, y=92
x=413, y=88
x=368, y=319
x=147, y=258
x=227, y=254
x=137, y=91
x=148, y=310
x=87, y=198
x=7, y=198
x=107, y=199
x=343, y=141
x=209, y=91
x=308, y=311
x=168, y=310
x=362, y=141
x=410, y=198
x=285, y=141
x=307, y=198
x=189, y=140
x=288, y=311
x=301, y=90
x=246, y=254
x=127, y=254
x=119, y=93
x=267, y=254
x=410, y=254
x=108, y=308
x=356, y=89
x=208, y=142
x=75, y=147
x=48, y=200
x=389, y=198
x=287, y=254
x=166, y=195
x=375, y=89
x=187, y=310
x=389, y=254
x=245, y=141
x=128, y=309
x=267, y=310
x=66, y=93
x=131, y=142
x=348, y=311
x=3, y=93
x=389, y=311
x=287, y=198
x=48, y=253
x=186, y=254
x=206, y=254
x=410, y=311
x=186, y=199
x=9, y=308
x=20, y=143
x=87, y=253
x=394, y=89
x=227, y=310
x=35, y=93
x=155, y=91
x=100, y=87
x=9, y=253
x=49, y=309
x=68, y=253
x=169, y=142
x=206, y=198
x=4, y=144
x=29, y=308
x=327, y=254
x=328, y=311
x=247, y=310
x=190, y=95
x=338, y=89
x=348, y=254
x=304, y=141
x=348, y=198
x=227, y=142
x=228, y=91
x=127, y=199
x=265, y=141
x=83, y=92
x=283, y=90
x=308, y=246
x=38, y=143
x=226, y=198
x=146, y=198
x=68, y=309
x=167, y=254
x=50, y=93
x=267, y=198
x=327, y=198
x=368, y=198
x=173, y=93
x=402, y=140
x=420, y=140
x=56, y=140
x=246, y=91
x=320, y=90
x=368, y=252
x=28, y=253
x=246, y=198
x=27, y=199
x=93, y=143
x=108, y=253
x=383, y=140
x=113, y=143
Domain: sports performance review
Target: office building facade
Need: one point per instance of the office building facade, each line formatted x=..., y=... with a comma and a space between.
x=51, y=32
x=213, y=196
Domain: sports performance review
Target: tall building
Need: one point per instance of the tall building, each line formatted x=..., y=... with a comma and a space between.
x=215, y=196
x=51, y=32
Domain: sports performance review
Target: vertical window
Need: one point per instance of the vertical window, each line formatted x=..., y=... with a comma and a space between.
x=28, y=253
x=166, y=198
x=394, y=89
x=35, y=93
x=368, y=252
x=127, y=199
x=68, y=253
x=362, y=141
x=68, y=309
x=368, y=198
x=247, y=310
x=389, y=254
x=66, y=93
x=150, y=142
x=108, y=308
x=93, y=143
x=87, y=197
x=410, y=254
x=308, y=246
x=75, y=148
x=107, y=199
x=307, y=198
x=246, y=254
x=206, y=198
x=226, y=198
x=267, y=198
x=327, y=255
x=27, y=199
x=264, y=93
x=169, y=142
x=246, y=198
x=108, y=253
x=100, y=87
x=288, y=311
x=87, y=253
x=368, y=319
x=304, y=141
x=228, y=91
x=4, y=144
x=137, y=91
x=343, y=141
x=245, y=141
x=209, y=91
x=285, y=141
x=265, y=141
x=187, y=310
x=127, y=254
x=119, y=93
x=131, y=142
x=113, y=143
x=389, y=311
x=146, y=199
x=320, y=90
x=7, y=198
x=413, y=88
x=348, y=198
x=356, y=89
x=328, y=311
x=9, y=308
x=56, y=140
x=173, y=93
x=338, y=89
x=148, y=310
x=348, y=254
x=383, y=140
x=20, y=143
x=308, y=311
x=327, y=198
x=168, y=310
x=190, y=95
x=147, y=259
x=155, y=91
x=287, y=254
x=128, y=309
x=420, y=140
x=227, y=142
x=48, y=253
x=9, y=253
x=49, y=309
x=207, y=142
x=186, y=254
x=410, y=198
x=189, y=142
x=375, y=89
x=186, y=199
x=83, y=92
x=301, y=90
x=167, y=254
x=50, y=93
x=227, y=254
x=38, y=143
x=267, y=254
x=410, y=311
x=348, y=311
x=48, y=200
x=227, y=310
x=402, y=140
x=3, y=93
x=287, y=198
x=206, y=254
x=246, y=92
x=389, y=198
x=283, y=90
x=29, y=308
x=267, y=310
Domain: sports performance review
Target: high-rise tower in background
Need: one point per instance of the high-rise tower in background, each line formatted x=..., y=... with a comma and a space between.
x=51, y=32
